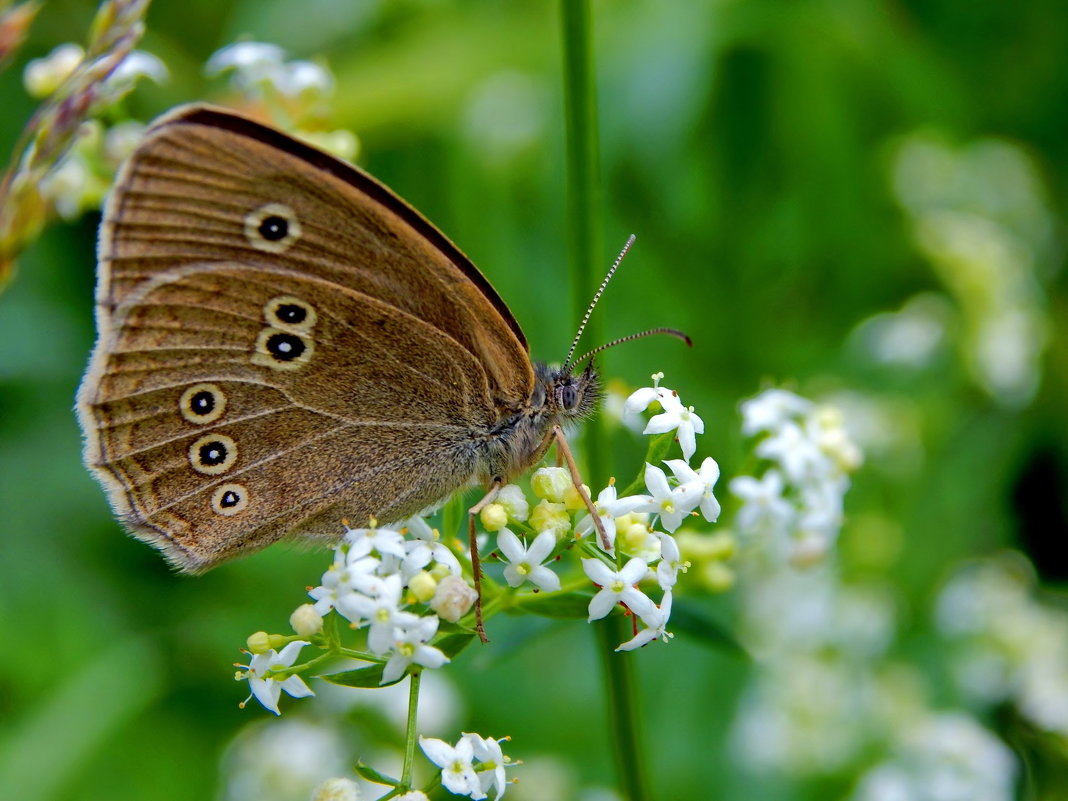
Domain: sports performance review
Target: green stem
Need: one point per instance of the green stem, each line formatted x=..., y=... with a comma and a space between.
x=409, y=744
x=584, y=238
x=583, y=194
x=622, y=692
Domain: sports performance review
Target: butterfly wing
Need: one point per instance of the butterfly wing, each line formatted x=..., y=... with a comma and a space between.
x=282, y=342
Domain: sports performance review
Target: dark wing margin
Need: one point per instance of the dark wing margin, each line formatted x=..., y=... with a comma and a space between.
x=355, y=177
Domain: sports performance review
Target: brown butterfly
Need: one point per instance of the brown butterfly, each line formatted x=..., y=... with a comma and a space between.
x=284, y=342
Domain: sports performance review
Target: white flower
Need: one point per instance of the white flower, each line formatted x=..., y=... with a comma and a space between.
x=340, y=583
x=525, y=563
x=795, y=452
x=382, y=612
x=457, y=773
x=252, y=61
x=770, y=409
x=763, y=509
x=617, y=586
x=138, y=64
x=680, y=419
x=266, y=688
x=491, y=763
x=304, y=77
x=384, y=541
x=671, y=504
x=656, y=623
x=425, y=547
x=705, y=478
x=409, y=644
x=671, y=562
x=609, y=507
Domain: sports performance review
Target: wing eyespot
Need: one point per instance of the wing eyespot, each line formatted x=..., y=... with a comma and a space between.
x=272, y=228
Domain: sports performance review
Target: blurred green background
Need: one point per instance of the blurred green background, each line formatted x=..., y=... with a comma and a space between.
x=860, y=200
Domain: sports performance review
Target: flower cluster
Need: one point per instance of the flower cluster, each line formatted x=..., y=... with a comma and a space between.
x=472, y=767
x=797, y=502
x=378, y=575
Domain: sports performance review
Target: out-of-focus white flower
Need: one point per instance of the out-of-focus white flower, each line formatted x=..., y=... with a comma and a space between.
x=948, y=757
x=137, y=65
x=305, y=77
x=795, y=453
x=769, y=410
x=252, y=61
x=337, y=788
x=42, y=76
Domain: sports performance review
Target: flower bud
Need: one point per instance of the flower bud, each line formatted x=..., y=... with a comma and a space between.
x=306, y=621
x=422, y=586
x=337, y=789
x=550, y=483
x=514, y=502
x=551, y=517
x=453, y=598
x=573, y=500
x=494, y=517
x=259, y=643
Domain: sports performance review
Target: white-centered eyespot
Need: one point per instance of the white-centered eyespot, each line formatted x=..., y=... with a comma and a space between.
x=202, y=403
x=290, y=314
x=282, y=350
x=272, y=228
x=229, y=499
x=213, y=454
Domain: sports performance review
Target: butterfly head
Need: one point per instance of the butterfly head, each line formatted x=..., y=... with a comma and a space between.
x=568, y=396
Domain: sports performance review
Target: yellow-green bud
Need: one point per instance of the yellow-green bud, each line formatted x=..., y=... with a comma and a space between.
x=305, y=621
x=572, y=499
x=550, y=483
x=494, y=517
x=453, y=598
x=259, y=643
x=551, y=517
x=422, y=586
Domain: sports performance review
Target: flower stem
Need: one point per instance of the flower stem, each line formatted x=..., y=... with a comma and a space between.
x=583, y=192
x=622, y=689
x=410, y=736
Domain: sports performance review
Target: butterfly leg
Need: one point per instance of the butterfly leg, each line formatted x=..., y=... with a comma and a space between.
x=562, y=448
x=476, y=565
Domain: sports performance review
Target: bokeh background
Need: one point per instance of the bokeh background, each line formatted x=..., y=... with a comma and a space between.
x=863, y=201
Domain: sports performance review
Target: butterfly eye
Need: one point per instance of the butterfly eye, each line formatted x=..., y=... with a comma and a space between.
x=272, y=228
x=202, y=404
x=568, y=397
x=213, y=454
x=229, y=500
x=290, y=313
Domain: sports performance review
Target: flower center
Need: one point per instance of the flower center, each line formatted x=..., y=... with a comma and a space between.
x=618, y=586
x=523, y=569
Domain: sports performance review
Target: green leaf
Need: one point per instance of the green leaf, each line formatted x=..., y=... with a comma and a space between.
x=361, y=677
x=561, y=605
x=452, y=644
x=365, y=771
x=691, y=619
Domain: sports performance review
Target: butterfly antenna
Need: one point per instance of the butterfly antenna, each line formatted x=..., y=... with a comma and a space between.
x=568, y=364
x=674, y=332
